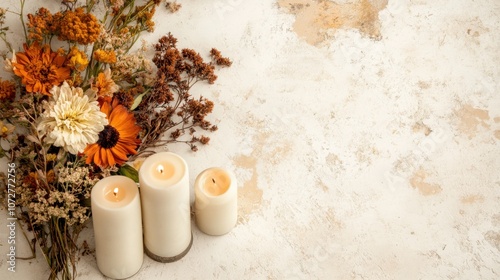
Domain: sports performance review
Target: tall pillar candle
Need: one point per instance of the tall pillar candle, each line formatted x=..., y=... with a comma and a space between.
x=216, y=207
x=164, y=184
x=116, y=215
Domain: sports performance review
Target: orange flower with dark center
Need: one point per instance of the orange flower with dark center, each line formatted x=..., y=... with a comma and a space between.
x=117, y=140
x=40, y=68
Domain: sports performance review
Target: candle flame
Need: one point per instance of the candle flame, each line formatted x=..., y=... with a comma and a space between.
x=160, y=169
x=115, y=191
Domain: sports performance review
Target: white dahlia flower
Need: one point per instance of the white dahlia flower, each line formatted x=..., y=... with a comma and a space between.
x=71, y=119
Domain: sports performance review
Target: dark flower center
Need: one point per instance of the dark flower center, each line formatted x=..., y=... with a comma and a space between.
x=108, y=137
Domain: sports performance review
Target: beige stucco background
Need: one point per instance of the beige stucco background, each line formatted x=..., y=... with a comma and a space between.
x=365, y=137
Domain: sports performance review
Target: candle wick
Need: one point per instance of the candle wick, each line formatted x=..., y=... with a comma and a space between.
x=213, y=180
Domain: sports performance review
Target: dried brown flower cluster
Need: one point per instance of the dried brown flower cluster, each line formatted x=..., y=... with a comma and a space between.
x=7, y=90
x=173, y=6
x=176, y=111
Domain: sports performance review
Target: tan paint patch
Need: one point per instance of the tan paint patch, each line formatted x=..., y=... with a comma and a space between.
x=495, y=220
x=470, y=119
x=417, y=181
x=249, y=196
x=313, y=18
x=497, y=119
x=493, y=238
x=473, y=198
x=497, y=134
x=333, y=159
x=278, y=153
x=332, y=219
x=421, y=127
x=423, y=85
x=321, y=185
x=476, y=28
x=364, y=154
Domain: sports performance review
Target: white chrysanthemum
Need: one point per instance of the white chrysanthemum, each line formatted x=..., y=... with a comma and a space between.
x=72, y=119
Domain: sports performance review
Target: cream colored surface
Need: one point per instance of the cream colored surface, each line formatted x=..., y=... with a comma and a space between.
x=363, y=150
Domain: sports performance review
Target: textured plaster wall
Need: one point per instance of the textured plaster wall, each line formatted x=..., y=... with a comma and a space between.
x=365, y=136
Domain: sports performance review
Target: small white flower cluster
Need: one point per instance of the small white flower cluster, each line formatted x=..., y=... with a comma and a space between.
x=57, y=204
x=128, y=64
x=77, y=177
x=136, y=65
x=65, y=202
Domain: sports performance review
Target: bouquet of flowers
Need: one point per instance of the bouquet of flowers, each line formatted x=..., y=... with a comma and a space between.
x=80, y=105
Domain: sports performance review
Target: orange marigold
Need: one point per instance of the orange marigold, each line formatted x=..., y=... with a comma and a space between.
x=105, y=56
x=40, y=24
x=7, y=90
x=79, y=27
x=40, y=68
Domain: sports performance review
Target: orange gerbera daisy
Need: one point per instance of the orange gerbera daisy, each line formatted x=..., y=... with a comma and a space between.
x=117, y=140
x=40, y=68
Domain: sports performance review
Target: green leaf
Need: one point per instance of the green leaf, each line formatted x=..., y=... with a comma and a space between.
x=129, y=171
x=137, y=101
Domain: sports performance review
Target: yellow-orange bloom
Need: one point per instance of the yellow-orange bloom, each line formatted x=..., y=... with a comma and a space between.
x=79, y=27
x=105, y=56
x=7, y=90
x=77, y=59
x=117, y=140
x=104, y=84
x=6, y=129
x=40, y=24
x=40, y=68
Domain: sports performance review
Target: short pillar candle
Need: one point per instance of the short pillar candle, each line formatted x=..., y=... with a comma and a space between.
x=116, y=215
x=164, y=185
x=216, y=208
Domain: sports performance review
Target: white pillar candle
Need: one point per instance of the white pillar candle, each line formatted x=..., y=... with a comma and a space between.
x=216, y=195
x=164, y=183
x=116, y=215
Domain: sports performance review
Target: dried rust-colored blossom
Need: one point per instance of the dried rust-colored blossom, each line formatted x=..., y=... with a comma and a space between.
x=78, y=26
x=40, y=24
x=177, y=112
x=219, y=59
x=204, y=140
x=173, y=6
x=7, y=90
x=40, y=68
x=125, y=98
x=31, y=180
x=145, y=17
